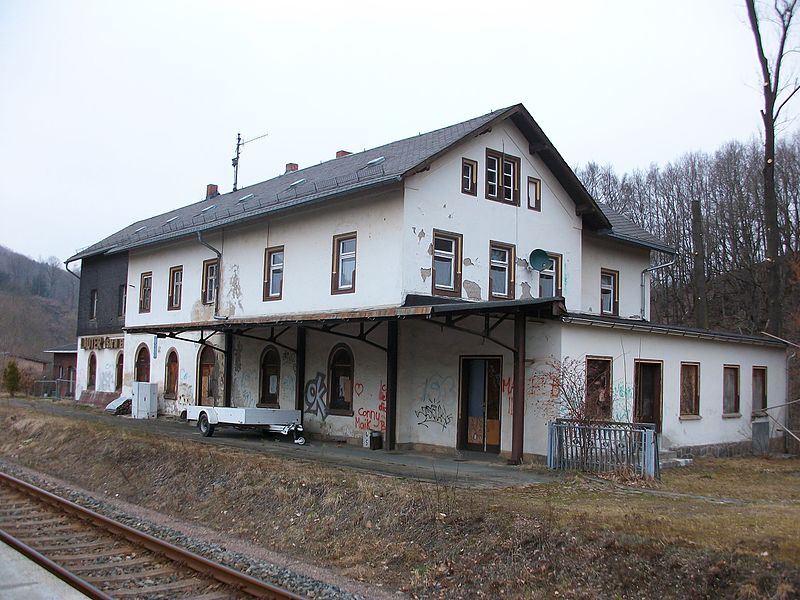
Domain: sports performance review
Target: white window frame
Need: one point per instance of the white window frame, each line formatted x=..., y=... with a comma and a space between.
x=211, y=282
x=274, y=268
x=446, y=255
x=342, y=256
x=612, y=289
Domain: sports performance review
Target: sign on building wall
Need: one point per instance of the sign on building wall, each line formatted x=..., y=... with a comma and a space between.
x=98, y=342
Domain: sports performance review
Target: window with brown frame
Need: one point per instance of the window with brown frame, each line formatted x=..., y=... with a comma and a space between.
x=502, y=177
x=609, y=292
x=340, y=376
x=175, y=288
x=142, y=365
x=273, y=273
x=122, y=299
x=501, y=271
x=550, y=277
x=145, y=291
x=730, y=390
x=446, y=273
x=92, y=305
x=469, y=177
x=759, y=391
x=343, y=271
x=171, y=375
x=690, y=389
x=534, y=193
x=210, y=280
x=598, y=388
x=270, y=378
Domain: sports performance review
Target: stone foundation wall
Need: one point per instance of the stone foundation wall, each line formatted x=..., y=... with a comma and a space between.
x=745, y=448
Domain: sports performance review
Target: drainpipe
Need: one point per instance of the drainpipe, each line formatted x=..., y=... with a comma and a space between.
x=650, y=270
x=200, y=239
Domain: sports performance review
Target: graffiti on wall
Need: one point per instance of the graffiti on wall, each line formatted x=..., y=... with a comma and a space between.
x=436, y=393
x=315, y=396
x=371, y=419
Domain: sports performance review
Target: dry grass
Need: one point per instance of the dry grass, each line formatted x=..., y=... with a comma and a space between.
x=582, y=538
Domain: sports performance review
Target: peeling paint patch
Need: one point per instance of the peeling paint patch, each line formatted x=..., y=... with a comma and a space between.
x=526, y=290
x=468, y=262
x=430, y=249
x=235, y=288
x=421, y=235
x=425, y=273
x=522, y=262
x=473, y=290
x=237, y=357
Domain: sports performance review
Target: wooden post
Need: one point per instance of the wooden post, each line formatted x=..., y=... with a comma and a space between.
x=300, y=372
x=518, y=419
x=391, y=384
x=228, y=375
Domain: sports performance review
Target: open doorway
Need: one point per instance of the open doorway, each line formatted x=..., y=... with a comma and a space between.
x=480, y=403
x=647, y=392
x=206, y=387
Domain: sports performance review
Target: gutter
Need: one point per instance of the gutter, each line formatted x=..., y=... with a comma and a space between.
x=650, y=270
x=73, y=273
x=219, y=275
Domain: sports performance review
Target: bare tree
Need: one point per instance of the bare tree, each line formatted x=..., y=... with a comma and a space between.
x=776, y=95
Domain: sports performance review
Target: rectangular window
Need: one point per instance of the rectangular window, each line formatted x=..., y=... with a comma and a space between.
x=690, y=389
x=730, y=390
x=550, y=278
x=92, y=305
x=446, y=279
x=534, y=193
x=609, y=292
x=759, y=390
x=343, y=274
x=175, y=288
x=502, y=177
x=501, y=271
x=145, y=291
x=122, y=299
x=469, y=177
x=598, y=388
x=273, y=273
x=210, y=280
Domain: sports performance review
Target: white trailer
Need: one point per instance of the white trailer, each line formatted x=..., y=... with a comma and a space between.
x=285, y=421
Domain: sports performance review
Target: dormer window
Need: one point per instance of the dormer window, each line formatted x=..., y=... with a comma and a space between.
x=502, y=177
x=469, y=177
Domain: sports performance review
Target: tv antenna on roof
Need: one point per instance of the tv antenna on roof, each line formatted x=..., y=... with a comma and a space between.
x=235, y=161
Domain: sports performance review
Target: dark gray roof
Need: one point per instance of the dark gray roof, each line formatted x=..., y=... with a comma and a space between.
x=346, y=175
x=625, y=230
x=65, y=349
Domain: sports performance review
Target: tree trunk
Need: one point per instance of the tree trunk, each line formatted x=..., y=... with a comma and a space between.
x=699, y=268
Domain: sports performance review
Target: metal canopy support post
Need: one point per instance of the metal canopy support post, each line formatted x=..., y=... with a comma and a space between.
x=228, y=368
x=391, y=384
x=300, y=372
x=518, y=418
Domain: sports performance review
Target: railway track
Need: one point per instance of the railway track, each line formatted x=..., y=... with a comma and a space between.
x=106, y=559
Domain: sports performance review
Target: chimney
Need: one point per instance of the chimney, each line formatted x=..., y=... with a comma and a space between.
x=341, y=153
x=290, y=167
x=211, y=191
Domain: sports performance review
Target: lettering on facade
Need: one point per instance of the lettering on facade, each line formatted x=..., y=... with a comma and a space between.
x=98, y=342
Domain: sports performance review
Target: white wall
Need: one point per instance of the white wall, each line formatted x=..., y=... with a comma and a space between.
x=106, y=368
x=624, y=347
x=629, y=261
x=434, y=201
x=307, y=239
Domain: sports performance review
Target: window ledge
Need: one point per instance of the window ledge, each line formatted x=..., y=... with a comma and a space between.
x=689, y=418
x=268, y=405
x=731, y=415
x=340, y=413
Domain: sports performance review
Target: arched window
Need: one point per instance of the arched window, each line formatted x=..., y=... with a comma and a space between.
x=91, y=372
x=118, y=373
x=270, y=378
x=171, y=375
x=206, y=385
x=142, y=364
x=340, y=381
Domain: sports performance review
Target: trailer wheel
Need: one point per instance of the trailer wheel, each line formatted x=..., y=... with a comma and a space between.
x=206, y=428
x=300, y=440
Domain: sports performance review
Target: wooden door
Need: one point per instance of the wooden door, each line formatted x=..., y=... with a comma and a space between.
x=206, y=378
x=647, y=393
x=480, y=404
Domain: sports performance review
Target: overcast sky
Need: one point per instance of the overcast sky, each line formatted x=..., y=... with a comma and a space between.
x=112, y=112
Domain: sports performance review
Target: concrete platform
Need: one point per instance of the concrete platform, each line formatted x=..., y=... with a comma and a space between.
x=22, y=579
x=467, y=469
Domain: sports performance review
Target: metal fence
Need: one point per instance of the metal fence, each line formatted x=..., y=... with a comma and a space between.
x=54, y=388
x=603, y=446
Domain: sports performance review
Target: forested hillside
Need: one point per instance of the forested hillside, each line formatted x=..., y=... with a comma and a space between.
x=729, y=186
x=38, y=304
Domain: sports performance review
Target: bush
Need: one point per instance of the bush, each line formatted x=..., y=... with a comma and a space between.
x=11, y=377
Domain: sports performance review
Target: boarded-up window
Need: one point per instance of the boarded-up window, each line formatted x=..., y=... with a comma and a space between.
x=598, y=388
x=730, y=390
x=759, y=389
x=341, y=381
x=690, y=389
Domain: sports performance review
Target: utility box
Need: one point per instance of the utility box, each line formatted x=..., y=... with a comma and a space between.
x=145, y=400
x=760, y=436
x=372, y=440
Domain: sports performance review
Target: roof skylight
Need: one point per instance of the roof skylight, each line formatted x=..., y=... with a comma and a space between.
x=375, y=161
x=207, y=208
x=294, y=184
x=143, y=227
x=244, y=198
x=170, y=220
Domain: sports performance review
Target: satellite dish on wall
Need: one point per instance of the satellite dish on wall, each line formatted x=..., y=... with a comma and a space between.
x=538, y=260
